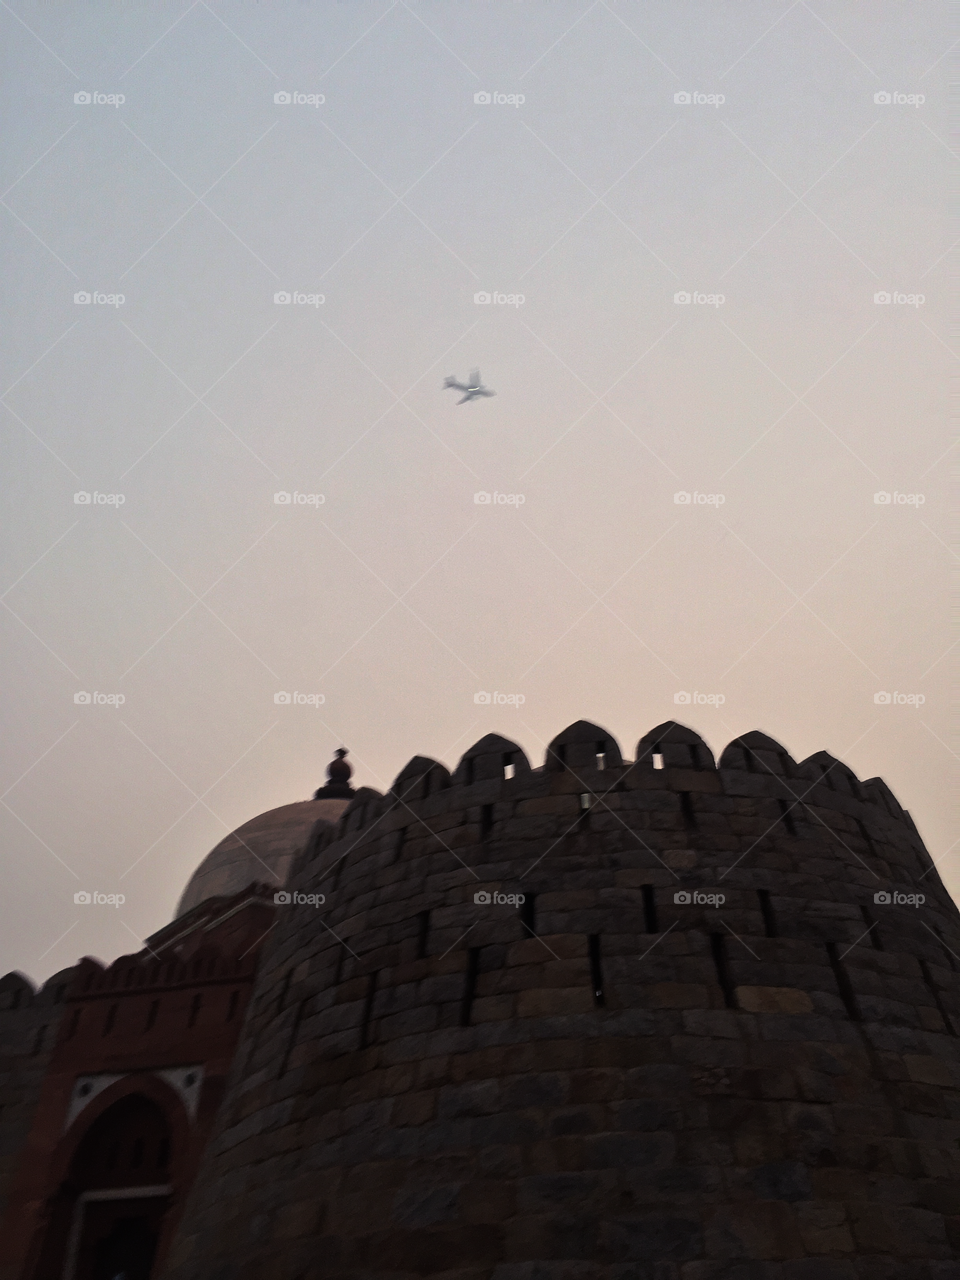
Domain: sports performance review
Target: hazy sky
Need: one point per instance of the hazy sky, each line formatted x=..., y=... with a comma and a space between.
x=783, y=195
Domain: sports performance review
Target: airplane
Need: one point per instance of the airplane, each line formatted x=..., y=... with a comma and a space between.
x=473, y=388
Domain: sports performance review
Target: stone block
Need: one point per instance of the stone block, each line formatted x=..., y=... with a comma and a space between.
x=554, y=1000
x=773, y=1000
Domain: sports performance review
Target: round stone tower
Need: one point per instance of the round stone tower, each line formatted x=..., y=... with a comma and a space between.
x=664, y=1020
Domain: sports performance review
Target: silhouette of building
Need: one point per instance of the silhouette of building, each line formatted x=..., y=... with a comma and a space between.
x=669, y=1019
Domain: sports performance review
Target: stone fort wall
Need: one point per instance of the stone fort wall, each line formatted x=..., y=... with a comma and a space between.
x=603, y=1083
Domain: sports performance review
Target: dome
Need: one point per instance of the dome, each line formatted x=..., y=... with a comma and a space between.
x=262, y=850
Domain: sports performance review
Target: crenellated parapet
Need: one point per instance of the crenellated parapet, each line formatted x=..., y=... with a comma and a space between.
x=820, y=791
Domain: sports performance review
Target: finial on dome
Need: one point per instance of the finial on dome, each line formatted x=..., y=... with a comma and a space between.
x=338, y=779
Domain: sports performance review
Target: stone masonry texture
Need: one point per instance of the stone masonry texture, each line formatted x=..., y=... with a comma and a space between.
x=607, y=1081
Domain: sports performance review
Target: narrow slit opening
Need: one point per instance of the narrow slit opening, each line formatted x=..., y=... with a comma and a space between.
x=688, y=811
x=367, y=1009
x=469, y=985
x=786, y=817
x=866, y=837
x=294, y=1036
x=486, y=821
x=657, y=756
x=596, y=968
x=719, y=951
x=399, y=841
x=528, y=912
x=935, y=992
x=844, y=985
x=650, y=921
x=152, y=1015
x=766, y=910
x=423, y=934
x=871, y=924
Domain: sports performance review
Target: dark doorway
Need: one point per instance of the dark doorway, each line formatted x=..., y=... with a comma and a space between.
x=105, y=1221
x=119, y=1239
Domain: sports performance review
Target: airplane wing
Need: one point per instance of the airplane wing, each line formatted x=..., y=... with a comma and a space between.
x=454, y=385
x=475, y=378
x=469, y=396
x=482, y=391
